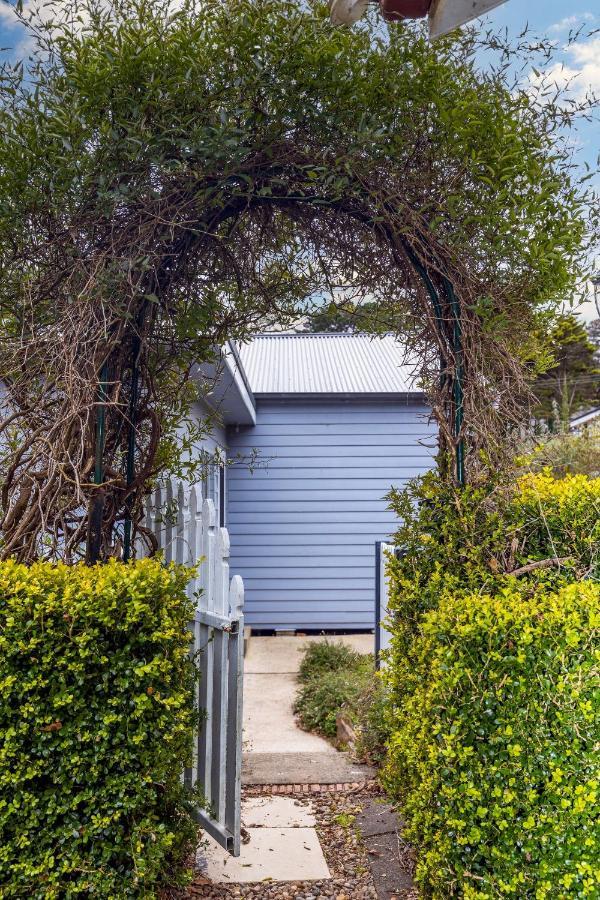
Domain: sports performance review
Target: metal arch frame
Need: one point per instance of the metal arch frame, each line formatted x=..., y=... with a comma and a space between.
x=459, y=374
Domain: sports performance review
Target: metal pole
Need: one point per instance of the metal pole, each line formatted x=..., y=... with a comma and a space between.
x=378, y=604
x=458, y=380
x=130, y=474
x=94, y=537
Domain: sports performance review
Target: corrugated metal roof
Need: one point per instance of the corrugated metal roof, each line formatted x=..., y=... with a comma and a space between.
x=332, y=363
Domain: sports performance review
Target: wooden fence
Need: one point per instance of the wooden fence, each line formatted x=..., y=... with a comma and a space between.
x=187, y=532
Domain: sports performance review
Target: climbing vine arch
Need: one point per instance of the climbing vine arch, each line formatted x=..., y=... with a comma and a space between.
x=151, y=220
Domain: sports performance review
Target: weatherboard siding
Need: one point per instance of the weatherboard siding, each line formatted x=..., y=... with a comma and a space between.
x=305, y=520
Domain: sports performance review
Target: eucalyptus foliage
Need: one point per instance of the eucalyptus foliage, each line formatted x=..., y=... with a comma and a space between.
x=172, y=176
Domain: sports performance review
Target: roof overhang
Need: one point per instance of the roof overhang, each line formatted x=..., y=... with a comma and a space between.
x=444, y=15
x=228, y=393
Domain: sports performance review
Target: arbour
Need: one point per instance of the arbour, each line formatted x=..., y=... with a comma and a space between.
x=171, y=179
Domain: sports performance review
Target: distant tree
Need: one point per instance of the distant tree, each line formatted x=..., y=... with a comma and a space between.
x=347, y=319
x=573, y=382
x=594, y=336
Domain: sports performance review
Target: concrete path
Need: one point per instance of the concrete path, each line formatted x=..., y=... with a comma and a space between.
x=276, y=751
x=282, y=845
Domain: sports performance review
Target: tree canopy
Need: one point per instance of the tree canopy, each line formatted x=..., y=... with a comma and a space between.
x=572, y=382
x=174, y=177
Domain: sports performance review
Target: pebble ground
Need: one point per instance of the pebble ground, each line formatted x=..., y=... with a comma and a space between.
x=346, y=857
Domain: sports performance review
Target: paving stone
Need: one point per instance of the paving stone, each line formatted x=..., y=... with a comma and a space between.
x=302, y=768
x=390, y=858
x=277, y=812
x=274, y=854
x=378, y=818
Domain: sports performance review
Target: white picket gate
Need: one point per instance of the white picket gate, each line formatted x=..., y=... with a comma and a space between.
x=186, y=529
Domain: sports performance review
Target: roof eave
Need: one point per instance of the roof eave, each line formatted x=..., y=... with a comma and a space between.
x=340, y=395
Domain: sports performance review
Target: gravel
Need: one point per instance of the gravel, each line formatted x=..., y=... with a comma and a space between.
x=346, y=857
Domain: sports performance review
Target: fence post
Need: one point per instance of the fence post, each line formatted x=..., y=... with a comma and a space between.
x=222, y=573
x=235, y=718
x=194, y=537
x=180, y=527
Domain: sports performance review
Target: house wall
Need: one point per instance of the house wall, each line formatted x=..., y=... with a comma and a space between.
x=216, y=440
x=304, y=523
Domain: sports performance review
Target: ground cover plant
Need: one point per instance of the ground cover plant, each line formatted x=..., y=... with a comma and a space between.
x=335, y=679
x=494, y=674
x=96, y=719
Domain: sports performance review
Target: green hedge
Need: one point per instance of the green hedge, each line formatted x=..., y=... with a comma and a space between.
x=468, y=540
x=494, y=686
x=496, y=752
x=96, y=717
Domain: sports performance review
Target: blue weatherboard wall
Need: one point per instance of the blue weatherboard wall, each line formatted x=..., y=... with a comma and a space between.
x=304, y=524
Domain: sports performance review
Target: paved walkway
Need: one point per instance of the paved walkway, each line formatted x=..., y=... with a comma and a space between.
x=276, y=751
x=281, y=839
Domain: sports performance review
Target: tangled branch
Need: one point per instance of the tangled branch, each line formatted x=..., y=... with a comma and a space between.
x=164, y=220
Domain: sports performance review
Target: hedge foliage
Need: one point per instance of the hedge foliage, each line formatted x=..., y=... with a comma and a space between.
x=498, y=745
x=472, y=539
x=96, y=718
x=494, y=681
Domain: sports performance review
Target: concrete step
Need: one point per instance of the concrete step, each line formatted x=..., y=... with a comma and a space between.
x=302, y=768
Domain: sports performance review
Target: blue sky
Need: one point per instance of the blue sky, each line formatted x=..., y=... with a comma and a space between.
x=578, y=64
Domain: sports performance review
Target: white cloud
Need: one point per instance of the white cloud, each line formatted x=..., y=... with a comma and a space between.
x=578, y=73
x=586, y=59
x=570, y=22
x=588, y=309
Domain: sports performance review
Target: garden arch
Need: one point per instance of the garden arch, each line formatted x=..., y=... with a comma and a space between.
x=185, y=177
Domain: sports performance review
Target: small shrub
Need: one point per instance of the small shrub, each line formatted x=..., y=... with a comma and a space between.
x=495, y=751
x=327, y=656
x=567, y=453
x=372, y=723
x=96, y=718
x=332, y=678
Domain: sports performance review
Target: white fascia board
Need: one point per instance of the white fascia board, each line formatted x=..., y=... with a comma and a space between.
x=347, y=12
x=240, y=382
x=229, y=394
x=446, y=15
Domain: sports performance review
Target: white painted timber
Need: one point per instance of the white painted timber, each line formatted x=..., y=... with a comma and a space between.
x=384, y=552
x=446, y=15
x=185, y=528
